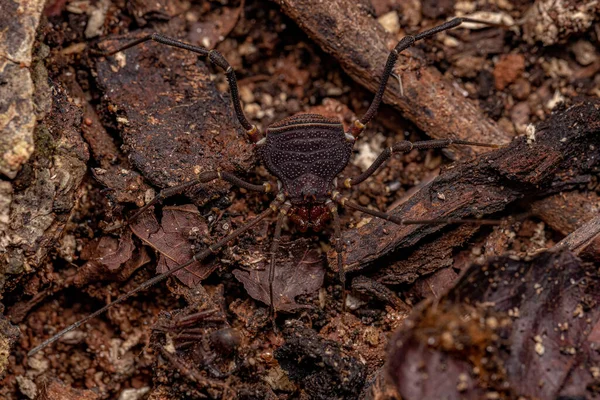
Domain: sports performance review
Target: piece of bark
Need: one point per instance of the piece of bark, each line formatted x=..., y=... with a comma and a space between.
x=47, y=187
x=374, y=289
x=583, y=237
x=173, y=121
x=361, y=45
x=114, y=171
x=554, y=21
x=8, y=336
x=488, y=184
x=52, y=389
x=320, y=366
x=509, y=328
x=19, y=21
x=427, y=258
x=565, y=212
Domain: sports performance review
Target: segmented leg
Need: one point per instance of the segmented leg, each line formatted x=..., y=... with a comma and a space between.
x=151, y=282
x=344, y=202
x=274, y=249
x=405, y=43
x=214, y=57
x=339, y=249
x=190, y=372
x=405, y=147
x=204, y=177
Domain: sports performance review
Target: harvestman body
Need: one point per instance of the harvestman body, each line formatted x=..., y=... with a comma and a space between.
x=305, y=152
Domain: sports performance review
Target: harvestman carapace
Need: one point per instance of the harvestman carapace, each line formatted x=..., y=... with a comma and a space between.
x=306, y=152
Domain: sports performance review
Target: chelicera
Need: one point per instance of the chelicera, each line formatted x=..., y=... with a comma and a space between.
x=306, y=152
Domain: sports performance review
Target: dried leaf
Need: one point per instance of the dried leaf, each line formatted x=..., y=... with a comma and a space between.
x=109, y=257
x=299, y=270
x=511, y=327
x=215, y=27
x=171, y=240
x=109, y=251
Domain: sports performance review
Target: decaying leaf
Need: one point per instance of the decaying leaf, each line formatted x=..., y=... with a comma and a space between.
x=300, y=269
x=509, y=328
x=171, y=239
x=108, y=256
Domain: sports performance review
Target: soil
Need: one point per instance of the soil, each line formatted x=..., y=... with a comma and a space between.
x=452, y=309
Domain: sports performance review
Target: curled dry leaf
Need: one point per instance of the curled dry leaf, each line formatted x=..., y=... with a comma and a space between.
x=171, y=239
x=110, y=257
x=510, y=327
x=299, y=269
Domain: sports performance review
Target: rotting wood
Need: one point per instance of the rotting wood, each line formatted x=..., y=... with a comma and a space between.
x=362, y=46
x=583, y=237
x=487, y=185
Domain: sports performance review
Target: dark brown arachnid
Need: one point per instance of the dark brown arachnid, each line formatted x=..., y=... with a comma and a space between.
x=305, y=152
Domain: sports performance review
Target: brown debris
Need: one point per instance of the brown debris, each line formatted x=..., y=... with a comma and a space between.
x=553, y=21
x=428, y=101
x=508, y=70
x=320, y=366
x=490, y=183
x=565, y=212
x=53, y=389
x=498, y=318
x=367, y=286
x=174, y=126
x=586, y=236
x=8, y=336
x=171, y=241
x=108, y=257
x=45, y=190
x=299, y=270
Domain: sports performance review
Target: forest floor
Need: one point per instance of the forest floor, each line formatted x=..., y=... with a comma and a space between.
x=464, y=310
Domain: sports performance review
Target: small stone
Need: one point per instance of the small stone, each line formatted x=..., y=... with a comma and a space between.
x=520, y=116
x=390, y=22
x=468, y=66
x=521, y=89
x=508, y=69
x=27, y=386
x=246, y=95
x=539, y=349
x=364, y=200
x=463, y=383
x=585, y=52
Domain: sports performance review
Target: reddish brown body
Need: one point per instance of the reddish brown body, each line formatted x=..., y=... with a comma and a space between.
x=306, y=152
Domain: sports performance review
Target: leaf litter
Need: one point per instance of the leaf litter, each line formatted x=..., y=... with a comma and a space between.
x=171, y=240
x=300, y=269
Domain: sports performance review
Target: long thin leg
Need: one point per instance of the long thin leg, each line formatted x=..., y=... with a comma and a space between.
x=274, y=249
x=343, y=201
x=339, y=249
x=202, y=178
x=405, y=43
x=150, y=282
x=211, y=55
x=405, y=147
x=191, y=373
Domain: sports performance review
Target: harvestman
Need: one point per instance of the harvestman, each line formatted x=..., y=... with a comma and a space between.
x=305, y=152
